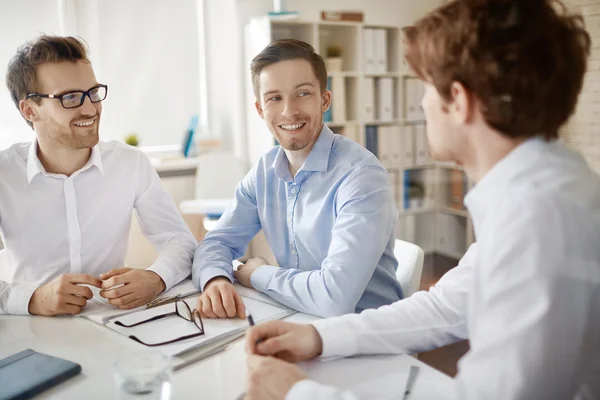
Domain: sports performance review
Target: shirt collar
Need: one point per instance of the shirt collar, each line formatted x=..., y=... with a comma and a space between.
x=34, y=165
x=497, y=180
x=317, y=160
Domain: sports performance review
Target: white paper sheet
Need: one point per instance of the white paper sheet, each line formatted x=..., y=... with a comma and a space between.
x=173, y=327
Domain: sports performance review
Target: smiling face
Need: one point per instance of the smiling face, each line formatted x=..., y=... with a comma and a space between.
x=291, y=103
x=74, y=128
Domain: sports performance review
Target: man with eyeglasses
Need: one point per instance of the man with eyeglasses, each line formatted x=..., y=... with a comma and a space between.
x=66, y=200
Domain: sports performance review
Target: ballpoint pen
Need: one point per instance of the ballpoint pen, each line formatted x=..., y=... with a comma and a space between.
x=159, y=301
x=410, y=382
x=251, y=322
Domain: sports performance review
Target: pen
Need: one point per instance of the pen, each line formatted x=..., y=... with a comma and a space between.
x=412, y=377
x=159, y=301
x=251, y=322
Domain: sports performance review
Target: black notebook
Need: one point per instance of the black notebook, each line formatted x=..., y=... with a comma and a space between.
x=28, y=373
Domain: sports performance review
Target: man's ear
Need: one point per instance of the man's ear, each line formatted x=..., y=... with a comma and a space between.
x=462, y=103
x=28, y=110
x=325, y=101
x=259, y=109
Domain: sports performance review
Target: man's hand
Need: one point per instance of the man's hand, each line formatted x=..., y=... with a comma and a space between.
x=62, y=295
x=244, y=272
x=140, y=286
x=290, y=342
x=270, y=378
x=220, y=300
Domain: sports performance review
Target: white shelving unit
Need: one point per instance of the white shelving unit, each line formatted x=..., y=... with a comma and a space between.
x=432, y=222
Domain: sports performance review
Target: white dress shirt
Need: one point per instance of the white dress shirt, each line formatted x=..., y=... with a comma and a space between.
x=527, y=295
x=52, y=224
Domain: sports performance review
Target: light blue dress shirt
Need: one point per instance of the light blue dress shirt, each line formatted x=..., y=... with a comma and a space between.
x=331, y=229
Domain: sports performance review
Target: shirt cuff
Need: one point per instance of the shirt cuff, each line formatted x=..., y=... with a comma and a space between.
x=308, y=389
x=336, y=344
x=212, y=272
x=18, y=300
x=166, y=274
x=261, y=277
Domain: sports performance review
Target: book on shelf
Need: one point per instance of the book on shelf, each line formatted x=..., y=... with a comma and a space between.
x=187, y=147
x=376, y=51
x=371, y=139
x=394, y=185
x=384, y=105
x=351, y=16
x=407, y=145
x=328, y=115
x=381, y=56
x=409, y=226
x=421, y=145
x=368, y=100
x=338, y=98
x=390, y=146
x=396, y=145
x=452, y=234
x=414, y=91
x=429, y=185
x=405, y=191
x=418, y=189
x=283, y=15
x=369, y=51
x=385, y=146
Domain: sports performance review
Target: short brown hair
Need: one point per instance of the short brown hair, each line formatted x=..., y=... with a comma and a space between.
x=523, y=60
x=283, y=50
x=21, y=76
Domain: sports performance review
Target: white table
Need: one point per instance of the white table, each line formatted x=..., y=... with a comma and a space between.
x=221, y=376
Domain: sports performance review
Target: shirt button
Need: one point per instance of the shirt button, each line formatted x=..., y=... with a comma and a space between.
x=294, y=252
x=294, y=190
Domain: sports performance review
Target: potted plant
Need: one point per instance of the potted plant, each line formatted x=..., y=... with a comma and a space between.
x=132, y=140
x=333, y=60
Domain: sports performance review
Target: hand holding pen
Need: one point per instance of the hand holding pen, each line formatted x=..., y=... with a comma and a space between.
x=284, y=340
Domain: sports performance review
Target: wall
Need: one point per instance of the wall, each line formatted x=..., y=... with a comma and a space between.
x=13, y=31
x=583, y=130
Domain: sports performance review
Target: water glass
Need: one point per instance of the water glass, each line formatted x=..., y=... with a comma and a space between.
x=144, y=376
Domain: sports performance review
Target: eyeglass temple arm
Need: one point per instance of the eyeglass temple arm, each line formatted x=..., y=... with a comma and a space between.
x=146, y=320
x=193, y=335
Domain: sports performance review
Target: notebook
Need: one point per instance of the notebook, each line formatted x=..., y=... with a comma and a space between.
x=216, y=330
x=28, y=373
x=99, y=310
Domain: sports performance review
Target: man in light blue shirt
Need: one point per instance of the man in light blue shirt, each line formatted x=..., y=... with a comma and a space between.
x=323, y=201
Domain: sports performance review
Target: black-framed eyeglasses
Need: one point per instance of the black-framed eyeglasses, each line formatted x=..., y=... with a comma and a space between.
x=182, y=310
x=76, y=98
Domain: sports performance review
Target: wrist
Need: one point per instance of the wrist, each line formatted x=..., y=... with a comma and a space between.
x=318, y=341
x=160, y=284
x=216, y=279
x=32, y=307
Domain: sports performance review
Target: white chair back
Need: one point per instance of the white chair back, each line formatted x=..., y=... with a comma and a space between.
x=410, y=266
x=218, y=175
x=3, y=266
